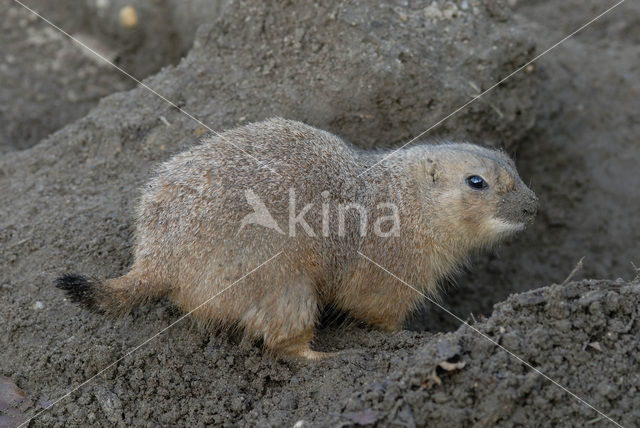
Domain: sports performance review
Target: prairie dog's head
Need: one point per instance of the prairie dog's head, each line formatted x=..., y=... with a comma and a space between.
x=473, y=195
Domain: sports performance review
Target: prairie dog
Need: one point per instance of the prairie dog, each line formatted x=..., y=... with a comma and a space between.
x=212, y=214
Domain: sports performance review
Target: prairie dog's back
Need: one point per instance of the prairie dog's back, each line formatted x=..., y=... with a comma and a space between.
x=277, y=152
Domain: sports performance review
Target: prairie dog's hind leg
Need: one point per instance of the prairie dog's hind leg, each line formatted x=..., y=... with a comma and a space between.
x=298, y=346
x=276, y=302
x=284, y=314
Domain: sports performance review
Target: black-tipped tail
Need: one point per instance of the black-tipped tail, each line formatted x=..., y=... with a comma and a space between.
x=79, y=289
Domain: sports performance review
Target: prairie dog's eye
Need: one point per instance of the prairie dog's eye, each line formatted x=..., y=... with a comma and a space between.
x=477, y=182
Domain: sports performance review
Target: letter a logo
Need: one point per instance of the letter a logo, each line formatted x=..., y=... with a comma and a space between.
x=260, y=215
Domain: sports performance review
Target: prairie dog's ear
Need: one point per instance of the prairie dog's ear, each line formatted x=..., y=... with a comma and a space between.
x=426, y=170
x=431, y=169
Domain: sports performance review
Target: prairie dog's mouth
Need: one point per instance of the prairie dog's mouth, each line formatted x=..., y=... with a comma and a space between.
x=500, y=227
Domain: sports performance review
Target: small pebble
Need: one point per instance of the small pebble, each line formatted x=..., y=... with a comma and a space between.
x=38, y=305
x=128, y=17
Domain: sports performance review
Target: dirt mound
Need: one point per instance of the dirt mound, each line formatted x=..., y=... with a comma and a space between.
x=376, y=74
x=582, y=335
x=54, y=81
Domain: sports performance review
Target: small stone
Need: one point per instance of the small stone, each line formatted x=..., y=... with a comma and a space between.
x=128, y=17
x=447, y=349
x=440, y=397
x=38, y=305
x=596, y=346
x=563, y=325
x=289, y=402
x=13, y=403
x=237, y=403
x=110, y=404
x=511, y=341
x=530, y=298
x=590, y=297
x=607, y=390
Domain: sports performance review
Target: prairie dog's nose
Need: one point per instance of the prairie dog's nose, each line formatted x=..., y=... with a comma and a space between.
x=530, y=208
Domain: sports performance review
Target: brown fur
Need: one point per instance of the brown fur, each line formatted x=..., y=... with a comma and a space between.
x=190, y=245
